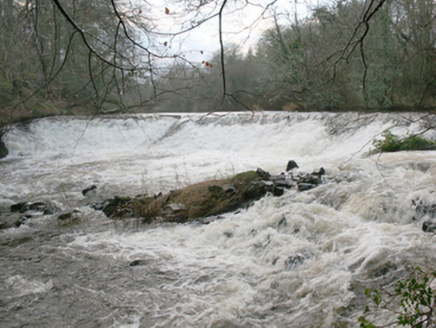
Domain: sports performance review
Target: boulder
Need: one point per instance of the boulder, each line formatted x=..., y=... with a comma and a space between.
x=302, y=186
x=291, y=165
x=39, y=207
x=263, y=174
x=17, y=207
x=429, y=226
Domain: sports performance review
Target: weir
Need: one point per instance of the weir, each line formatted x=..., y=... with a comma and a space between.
x=300, y=259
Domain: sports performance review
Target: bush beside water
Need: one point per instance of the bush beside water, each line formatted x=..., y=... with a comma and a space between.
x=413, y=301
x=392, y=143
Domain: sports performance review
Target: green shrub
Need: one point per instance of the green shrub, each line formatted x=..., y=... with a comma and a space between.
x=391, y=143
x=414, y=297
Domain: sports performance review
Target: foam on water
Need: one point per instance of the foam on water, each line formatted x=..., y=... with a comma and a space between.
x=302, y=259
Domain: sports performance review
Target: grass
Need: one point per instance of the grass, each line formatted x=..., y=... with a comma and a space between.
x=200, y=200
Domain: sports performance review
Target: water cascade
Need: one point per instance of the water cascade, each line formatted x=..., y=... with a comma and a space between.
x=302, y=259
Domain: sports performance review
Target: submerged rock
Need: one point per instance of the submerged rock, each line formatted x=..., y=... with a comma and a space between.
x=17, y=207
x=424, y=209
x=22, y=220
x=3, y=149
x=39, y=207
x=310, y=181
x=291, y=165
x=139, y=263
x=117, y=207
x=303, y=186
x=89, y=191
x=429, y=226
x=69, y=218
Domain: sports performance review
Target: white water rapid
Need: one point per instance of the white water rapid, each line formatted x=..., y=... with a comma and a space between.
x=302, y=259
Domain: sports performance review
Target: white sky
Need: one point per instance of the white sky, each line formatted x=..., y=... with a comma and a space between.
x=238, y=15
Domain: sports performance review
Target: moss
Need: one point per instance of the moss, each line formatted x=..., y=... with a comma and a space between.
x=246, y=177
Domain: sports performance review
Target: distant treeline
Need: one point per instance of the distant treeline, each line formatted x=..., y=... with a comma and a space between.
x=339, y=58
x=331, y=61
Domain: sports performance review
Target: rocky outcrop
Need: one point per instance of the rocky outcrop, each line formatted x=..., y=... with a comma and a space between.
x=37, y=207
x=205, y=201
x=202, y=202
x=24, y=212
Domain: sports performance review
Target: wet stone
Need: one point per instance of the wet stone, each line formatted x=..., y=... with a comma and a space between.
x=429, y=226
x=69, y=218
x=209, y=219
x=263, y=174
x=305, y=186
x=284, y=181
x=18, y=206
x=291, y=165
x=277, y=191
x=22, y=220
x=89, y=191
x=3, y=149
x=24, y=207
x=139, y=263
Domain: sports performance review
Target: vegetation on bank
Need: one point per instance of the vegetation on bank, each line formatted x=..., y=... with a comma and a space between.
x=412, y=300
x=392, y=143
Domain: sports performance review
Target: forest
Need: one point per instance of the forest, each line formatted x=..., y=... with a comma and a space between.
x=88, y=57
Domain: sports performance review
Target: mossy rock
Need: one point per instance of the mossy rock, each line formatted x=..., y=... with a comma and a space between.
x=246, y=177
x=205, y=199
x=200, y=200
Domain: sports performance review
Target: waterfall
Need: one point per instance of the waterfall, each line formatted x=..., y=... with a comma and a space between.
x=301, y=259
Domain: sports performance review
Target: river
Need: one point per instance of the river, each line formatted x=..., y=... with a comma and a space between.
x=302, y=259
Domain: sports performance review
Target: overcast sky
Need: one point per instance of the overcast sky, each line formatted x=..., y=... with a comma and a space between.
x=243, y=24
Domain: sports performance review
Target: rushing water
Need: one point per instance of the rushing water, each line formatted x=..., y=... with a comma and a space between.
x=299, y=260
